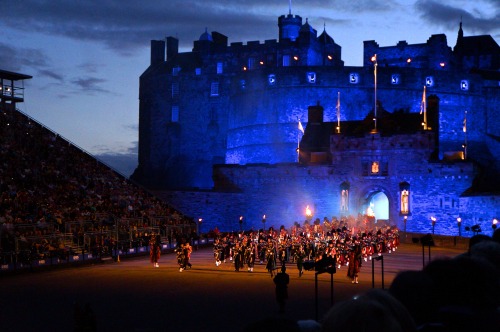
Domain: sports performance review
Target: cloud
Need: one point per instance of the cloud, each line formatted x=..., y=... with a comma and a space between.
x=14, y=59
x=51, y=74
x=90, y=84
x=474, y=19
x=125, y=25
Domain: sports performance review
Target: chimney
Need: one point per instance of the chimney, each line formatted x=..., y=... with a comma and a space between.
x=172, y=47
x=315, y=114
x=157, y=51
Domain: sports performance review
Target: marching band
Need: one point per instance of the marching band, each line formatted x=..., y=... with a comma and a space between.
x=343, y=242
x=333, y=240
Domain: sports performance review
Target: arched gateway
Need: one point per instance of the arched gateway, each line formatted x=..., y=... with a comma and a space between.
x=378, y=203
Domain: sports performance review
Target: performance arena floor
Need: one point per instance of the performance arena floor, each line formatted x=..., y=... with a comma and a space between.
x=131, y=295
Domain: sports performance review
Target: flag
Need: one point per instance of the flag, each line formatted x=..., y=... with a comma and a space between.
x=338, y=106
x=422, y=104
x=300, y=127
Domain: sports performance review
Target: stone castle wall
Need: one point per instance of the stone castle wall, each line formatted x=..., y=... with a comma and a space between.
x=282, y=192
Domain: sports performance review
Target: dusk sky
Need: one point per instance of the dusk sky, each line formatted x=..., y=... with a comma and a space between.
x=86, y=56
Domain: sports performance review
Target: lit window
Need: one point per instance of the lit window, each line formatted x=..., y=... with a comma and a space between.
x=286, y=60
x=311, y=77
x=395, y=79
x=405, y=201
x=251, y=63
x=295, y=58
x=214, y=89
x=464, y=85
x=408, y=61
x=344, y=200
x=375, y=167
x=175, y=89
x=197, y=71
x=429, y=81
x=330, y=57
x=344, y=196
x=353, y=78
x=219, y=67
x=175, y=114
x=271, y=79
x=442, y=64
x=261, y=63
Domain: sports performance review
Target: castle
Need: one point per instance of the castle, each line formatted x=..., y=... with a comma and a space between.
x=219, y=136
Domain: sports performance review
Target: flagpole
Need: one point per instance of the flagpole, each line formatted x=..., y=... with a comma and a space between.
x=424, y=99
x=423, y=109
x=301, y=129
x=298, y=147
x=465, y=134
x=374, y=60
x=338, y=113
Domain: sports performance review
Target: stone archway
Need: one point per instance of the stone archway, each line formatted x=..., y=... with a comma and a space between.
x=376, y=202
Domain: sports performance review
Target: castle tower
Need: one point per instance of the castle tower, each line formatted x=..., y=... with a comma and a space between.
x=289, y=26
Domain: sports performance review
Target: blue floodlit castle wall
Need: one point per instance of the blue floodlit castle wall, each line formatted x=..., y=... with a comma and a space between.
x=228, y=114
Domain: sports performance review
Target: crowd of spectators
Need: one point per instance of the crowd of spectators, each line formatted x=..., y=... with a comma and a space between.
x=53, y=195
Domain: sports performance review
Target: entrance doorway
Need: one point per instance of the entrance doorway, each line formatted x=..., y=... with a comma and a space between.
x=377, y=205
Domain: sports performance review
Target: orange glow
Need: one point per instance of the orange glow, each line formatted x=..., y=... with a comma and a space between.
x=408, y=60
x=244, y=68
x=330, y=57
x=442, y=64
x=261, y=63
x=374, y=58
x=308, y=211
x=296, y=58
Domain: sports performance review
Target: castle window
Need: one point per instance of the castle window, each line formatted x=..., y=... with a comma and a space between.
x=429, y=81
x=243, y=84
x=353, y=78
x=197, y=71
x=404, y=188
x=344, y=197
x=175, y=89
x=364, y=168
x=219, y=67
x=464, y=85
x=395, y=79
x=175, y=114
x=384, y=168
x=176, y=70
x=271, y=79
x=375, y=167
x=405, y=199
x=214, y=89
x=286, y=60
x=251, y=63
x=311, y=77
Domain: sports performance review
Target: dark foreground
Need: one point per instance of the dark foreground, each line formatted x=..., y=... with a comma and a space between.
x=134, y=296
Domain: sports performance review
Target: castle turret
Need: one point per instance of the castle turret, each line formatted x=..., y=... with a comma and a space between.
x=204, y=43
x=289, y=26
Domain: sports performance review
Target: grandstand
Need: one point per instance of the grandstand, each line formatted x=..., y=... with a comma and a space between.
x=59, y=204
